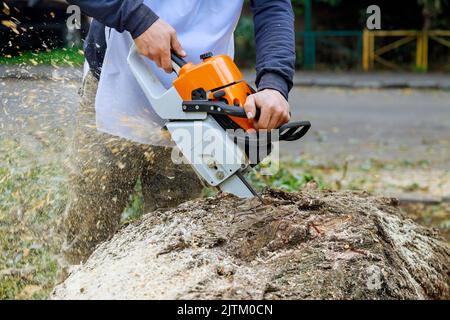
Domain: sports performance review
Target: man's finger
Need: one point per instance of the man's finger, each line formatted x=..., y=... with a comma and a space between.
x=176, y=46
x=274, y=122
x=264, y=119
x=250, y=108
x=157, y=60
x=166, y=61
x=144, y=52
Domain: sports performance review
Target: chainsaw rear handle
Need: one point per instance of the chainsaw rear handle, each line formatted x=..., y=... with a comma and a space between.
x=291, y=131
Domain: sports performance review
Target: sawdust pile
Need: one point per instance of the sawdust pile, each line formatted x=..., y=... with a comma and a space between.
x=309, y=245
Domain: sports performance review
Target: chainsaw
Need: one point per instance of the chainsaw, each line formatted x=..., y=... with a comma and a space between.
x=208, y=97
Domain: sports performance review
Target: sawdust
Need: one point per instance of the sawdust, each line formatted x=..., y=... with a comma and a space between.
x=309, y=245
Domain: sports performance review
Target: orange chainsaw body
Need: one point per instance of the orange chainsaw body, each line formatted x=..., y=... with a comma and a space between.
x=213, y=75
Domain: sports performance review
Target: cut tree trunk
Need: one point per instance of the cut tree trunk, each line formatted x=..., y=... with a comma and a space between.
x=308, y=245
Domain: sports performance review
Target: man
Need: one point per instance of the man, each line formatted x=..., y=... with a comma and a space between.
x=104, y=168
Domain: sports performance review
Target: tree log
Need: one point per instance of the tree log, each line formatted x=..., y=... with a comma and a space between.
x=307, y=245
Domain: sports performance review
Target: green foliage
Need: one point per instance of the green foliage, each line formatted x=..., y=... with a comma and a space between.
x=290, y=176
x=433, y=6
x=135, y=209
x=431, y=9
x=245, y=42
x=58, y=57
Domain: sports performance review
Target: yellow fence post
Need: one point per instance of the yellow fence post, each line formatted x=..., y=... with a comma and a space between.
x=419, y=51
x=425, y=51
x=365, y=65
x=422, y=51
x=372, y=50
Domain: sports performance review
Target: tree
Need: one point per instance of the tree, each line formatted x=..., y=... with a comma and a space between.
x=430, y=11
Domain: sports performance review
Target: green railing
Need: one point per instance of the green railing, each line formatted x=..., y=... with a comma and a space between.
x=312, y=38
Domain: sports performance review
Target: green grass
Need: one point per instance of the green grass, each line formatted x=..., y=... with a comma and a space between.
x=32, y=197
x=135, y=209
x=57, y=57
x=292, y=176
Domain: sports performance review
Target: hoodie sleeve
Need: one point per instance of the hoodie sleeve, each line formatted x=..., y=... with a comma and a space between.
x=275, y=44
x=123, y=15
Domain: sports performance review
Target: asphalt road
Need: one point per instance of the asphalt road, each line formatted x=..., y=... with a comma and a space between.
x=347, y=123
x=382, y=124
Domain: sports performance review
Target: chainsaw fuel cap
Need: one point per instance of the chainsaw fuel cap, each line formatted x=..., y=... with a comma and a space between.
x=206, y=55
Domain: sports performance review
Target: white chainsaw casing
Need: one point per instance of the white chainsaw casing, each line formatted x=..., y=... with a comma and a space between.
x=212, y=164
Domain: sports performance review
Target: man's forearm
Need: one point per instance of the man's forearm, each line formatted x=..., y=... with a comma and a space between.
x=275, y=44
x=123, y=15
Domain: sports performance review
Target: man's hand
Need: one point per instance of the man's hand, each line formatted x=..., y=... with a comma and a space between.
x=274, y=109
x=157, y=42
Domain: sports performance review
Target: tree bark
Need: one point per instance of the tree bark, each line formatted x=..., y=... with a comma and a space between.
x=308, y=245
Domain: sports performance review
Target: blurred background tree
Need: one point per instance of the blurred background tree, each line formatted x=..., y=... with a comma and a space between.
x=431, y=9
